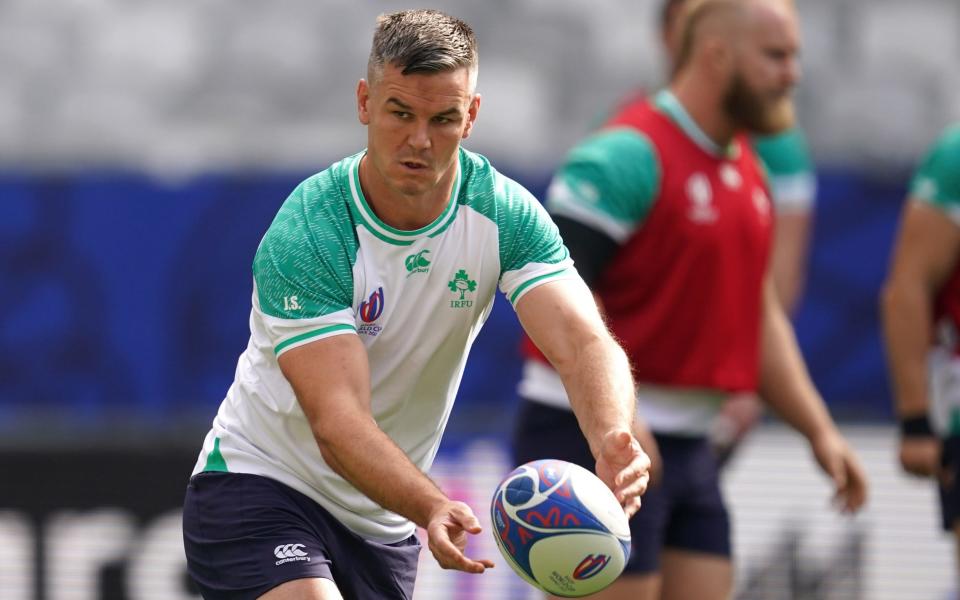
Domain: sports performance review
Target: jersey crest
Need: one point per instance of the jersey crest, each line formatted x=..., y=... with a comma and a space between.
x=700, y=197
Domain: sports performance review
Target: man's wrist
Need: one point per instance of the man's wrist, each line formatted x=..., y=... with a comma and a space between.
x=917, y=426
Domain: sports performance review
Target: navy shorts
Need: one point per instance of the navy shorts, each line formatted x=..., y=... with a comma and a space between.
x=949, y=483
x=246, y=534
x=685, y=511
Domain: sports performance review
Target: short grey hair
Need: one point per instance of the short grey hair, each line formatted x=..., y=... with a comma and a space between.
x=421, y=41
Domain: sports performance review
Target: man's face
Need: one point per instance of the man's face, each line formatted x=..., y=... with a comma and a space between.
x=766, y=70
x=415, y=124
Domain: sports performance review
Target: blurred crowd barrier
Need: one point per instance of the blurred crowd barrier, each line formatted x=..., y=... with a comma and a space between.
x=105, y=525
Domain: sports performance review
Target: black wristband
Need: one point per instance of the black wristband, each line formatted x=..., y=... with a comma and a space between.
x=914, y=427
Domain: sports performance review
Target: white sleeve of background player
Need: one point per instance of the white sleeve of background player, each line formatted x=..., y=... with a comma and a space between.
x=790, y=171
x=794, y=193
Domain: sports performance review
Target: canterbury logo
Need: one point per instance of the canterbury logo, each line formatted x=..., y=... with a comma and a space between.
x=289, y=551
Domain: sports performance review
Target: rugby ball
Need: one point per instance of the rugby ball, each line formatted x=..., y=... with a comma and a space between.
x=560, y=528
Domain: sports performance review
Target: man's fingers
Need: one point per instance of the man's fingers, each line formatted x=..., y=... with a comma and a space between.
x=468, y=521
x=447, y=539
x=838, y=472
x=639, y=467
x=857, y=482
x=631, y=507
x=851, y=482
x=625, y=467
x=840, y=464
x=849, y=500
x=634, y=489
x=450, y=557
x=842, y=491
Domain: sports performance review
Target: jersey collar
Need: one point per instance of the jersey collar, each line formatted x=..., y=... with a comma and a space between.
x=667, y=102
x=390, y=234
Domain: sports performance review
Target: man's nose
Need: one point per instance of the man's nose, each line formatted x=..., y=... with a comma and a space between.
x=419, y=137
x=793, y=71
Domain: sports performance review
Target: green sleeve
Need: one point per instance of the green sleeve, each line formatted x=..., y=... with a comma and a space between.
x=527, y=234
x=784, y=153
x=790, y=169
x=937, y=180
x=303, y=268
x=607, y=182
x=530, y=249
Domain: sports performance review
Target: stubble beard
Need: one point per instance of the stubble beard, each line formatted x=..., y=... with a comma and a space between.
x=750, y=111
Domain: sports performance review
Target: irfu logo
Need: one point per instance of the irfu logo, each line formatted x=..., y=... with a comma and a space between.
x=462, y=283
x=417, y=263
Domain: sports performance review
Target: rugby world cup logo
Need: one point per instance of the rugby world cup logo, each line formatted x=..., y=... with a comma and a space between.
x=372, y=307
x=590, y=566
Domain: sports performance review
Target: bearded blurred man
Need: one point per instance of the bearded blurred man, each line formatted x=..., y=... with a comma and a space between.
x=667, y=214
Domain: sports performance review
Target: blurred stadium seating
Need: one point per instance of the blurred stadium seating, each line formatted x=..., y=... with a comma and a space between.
x=174, y=88
x=146, y=145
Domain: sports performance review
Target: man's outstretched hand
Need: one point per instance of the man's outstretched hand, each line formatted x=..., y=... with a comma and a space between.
x=624, y=467
x=447, y=537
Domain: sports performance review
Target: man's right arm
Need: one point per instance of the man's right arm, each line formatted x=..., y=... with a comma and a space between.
x=599, y=197
x=925, y=254
x=562, y=320
x=331, y=379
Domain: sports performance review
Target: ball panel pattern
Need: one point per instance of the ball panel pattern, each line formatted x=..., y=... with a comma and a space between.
x=560, y=528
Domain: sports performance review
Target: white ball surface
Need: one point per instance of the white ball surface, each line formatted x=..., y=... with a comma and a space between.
x=560, y=528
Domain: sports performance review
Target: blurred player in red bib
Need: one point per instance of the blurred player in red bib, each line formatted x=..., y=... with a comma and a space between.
x=667, y=214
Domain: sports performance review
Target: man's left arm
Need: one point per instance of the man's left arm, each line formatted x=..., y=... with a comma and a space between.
x=793, y=186
x=785, y=385
x=791, y=246
x=563, y=321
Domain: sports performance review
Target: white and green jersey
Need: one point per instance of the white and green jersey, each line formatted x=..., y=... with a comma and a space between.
x=328, y=266
x=790, y=169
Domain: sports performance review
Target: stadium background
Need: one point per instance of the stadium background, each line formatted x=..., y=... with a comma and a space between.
x=146, y=145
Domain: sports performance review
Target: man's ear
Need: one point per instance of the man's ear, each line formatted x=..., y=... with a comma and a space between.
x=363, y=102
x=720, y=54
x=472, y=112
